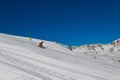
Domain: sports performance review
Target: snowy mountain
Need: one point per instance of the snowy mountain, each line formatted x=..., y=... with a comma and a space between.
x=101, y=51
x=21, y=59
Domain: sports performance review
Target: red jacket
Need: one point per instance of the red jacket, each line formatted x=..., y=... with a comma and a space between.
x=40, y=44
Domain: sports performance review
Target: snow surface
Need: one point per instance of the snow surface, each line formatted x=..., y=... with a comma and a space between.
x=21, y=59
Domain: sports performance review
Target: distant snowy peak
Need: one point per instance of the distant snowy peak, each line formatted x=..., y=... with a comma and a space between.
x=116, y=43
x=112, y=47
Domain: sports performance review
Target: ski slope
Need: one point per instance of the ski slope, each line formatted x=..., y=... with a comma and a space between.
x=21, y=59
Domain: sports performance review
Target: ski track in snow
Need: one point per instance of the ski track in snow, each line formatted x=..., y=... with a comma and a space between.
x=8, y=72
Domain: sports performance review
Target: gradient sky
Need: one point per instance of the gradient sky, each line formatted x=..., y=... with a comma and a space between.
x=70, y=22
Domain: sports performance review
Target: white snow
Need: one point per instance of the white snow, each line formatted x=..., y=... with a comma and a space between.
x=21, y=59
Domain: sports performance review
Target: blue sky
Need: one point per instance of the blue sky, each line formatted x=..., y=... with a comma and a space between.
x=70, y=22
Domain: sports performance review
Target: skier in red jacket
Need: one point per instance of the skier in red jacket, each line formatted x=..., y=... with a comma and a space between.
x=40, y=44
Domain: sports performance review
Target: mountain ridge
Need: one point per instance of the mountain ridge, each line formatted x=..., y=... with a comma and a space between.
x=96, y=47
x=108, y=52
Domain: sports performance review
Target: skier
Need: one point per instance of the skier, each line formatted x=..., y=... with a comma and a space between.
x=40, y=44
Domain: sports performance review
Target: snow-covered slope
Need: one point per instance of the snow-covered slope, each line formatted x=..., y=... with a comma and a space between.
x=21, y=59
x=108, y=52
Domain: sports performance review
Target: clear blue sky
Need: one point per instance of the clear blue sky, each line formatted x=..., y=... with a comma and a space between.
x=70, y=22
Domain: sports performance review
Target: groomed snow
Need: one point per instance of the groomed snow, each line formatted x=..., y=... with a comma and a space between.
x=21, y=59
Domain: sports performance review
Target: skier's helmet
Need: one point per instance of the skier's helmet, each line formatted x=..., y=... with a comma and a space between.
x=42, y=42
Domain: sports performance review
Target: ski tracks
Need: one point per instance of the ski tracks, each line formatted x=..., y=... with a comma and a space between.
x=20, y=62
x=38, y=71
